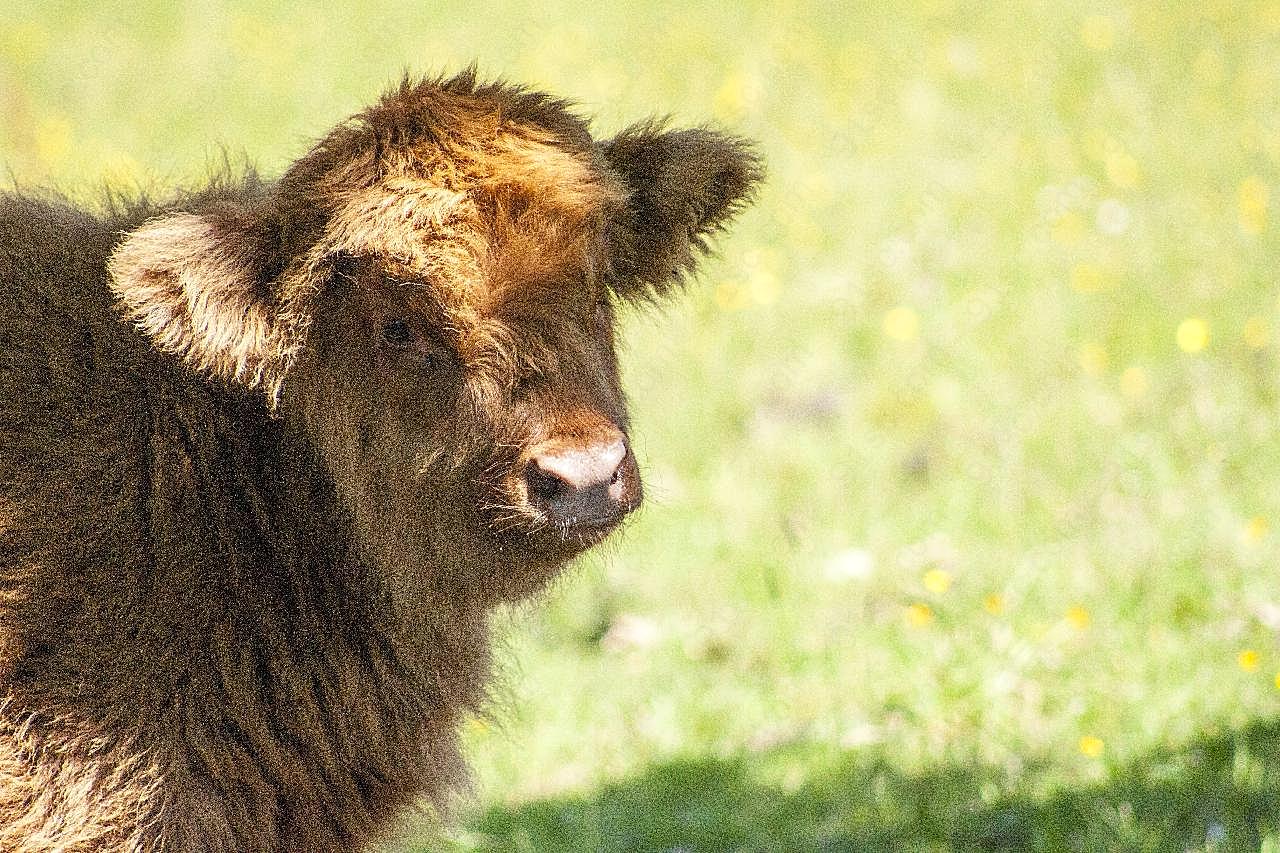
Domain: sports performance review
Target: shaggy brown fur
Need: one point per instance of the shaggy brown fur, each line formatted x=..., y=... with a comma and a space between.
x=265, y=459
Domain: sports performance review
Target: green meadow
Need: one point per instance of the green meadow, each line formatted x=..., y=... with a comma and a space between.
x=962, y=451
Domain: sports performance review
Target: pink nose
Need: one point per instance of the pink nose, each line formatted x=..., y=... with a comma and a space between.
x=583, y=485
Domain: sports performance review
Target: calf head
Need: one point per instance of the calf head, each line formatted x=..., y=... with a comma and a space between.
x=428, y=298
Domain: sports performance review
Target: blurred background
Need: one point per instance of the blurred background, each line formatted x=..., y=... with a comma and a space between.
x=962, y=452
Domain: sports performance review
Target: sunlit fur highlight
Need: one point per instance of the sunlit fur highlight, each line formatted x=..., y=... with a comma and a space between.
x=192, y=291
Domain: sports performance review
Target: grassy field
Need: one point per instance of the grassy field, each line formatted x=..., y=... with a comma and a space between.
x=963, y=456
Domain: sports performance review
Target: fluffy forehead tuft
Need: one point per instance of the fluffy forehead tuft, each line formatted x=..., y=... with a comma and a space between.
x=489, y=191
x=461, y=136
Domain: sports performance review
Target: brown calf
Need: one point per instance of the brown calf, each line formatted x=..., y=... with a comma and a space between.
x=270, y=452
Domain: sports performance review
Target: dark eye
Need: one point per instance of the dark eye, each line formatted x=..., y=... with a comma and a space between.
x=397, y=332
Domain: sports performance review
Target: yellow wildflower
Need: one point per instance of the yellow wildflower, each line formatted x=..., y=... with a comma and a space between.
x=919, y=615
x=1248, y=660
x=1193, y=334
x=1091, y=746
x=994, y=604
x=1122, y=168
x=901, y=324
x=1078, y=617
x=937, y=581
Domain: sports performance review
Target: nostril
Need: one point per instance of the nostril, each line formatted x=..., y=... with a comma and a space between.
x=543, y=485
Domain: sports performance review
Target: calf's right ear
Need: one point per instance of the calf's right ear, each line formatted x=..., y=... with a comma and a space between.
x=684, y=185
x=196, y=284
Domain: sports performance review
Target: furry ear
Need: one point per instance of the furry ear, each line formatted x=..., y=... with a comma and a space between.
x=195, y=283
x=685, y=185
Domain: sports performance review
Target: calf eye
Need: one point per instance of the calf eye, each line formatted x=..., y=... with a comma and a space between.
x=397, y=332
x=412, y=348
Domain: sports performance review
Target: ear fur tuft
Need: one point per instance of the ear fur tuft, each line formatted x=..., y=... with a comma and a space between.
x=192, y=283
x=685, y=186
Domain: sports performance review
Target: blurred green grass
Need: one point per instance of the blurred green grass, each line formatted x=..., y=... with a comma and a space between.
x=962, y=456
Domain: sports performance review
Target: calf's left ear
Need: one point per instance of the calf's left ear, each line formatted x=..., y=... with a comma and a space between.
x=196, y=284
x=684, y=186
